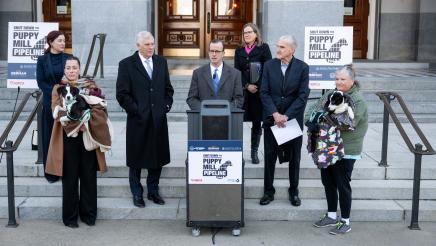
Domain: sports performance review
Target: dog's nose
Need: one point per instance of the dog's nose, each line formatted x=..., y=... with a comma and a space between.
x=68, y=98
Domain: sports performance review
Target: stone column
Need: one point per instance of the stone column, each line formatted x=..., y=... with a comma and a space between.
x=119, y=19
x=283, y=17
x=427, y=31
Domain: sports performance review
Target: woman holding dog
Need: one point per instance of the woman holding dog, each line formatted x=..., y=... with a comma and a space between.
x=336, y=178
x=253, y=50
x=69, y=156
x=49, y=71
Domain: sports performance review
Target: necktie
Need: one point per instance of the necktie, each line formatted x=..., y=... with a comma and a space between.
x=148, y=68
x=216, y=81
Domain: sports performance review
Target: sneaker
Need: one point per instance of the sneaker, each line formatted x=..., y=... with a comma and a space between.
x=324, y=222
x=341, y=228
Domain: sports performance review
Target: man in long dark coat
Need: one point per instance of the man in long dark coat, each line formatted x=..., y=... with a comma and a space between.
x=145, y=92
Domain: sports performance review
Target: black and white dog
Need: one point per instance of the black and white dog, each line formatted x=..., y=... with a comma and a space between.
x=72, y=103
x=339, y=103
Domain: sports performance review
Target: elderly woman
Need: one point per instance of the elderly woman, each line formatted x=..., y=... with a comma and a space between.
x=49, y=71
x=73, y=158
x=253, y=49
x=336, y=178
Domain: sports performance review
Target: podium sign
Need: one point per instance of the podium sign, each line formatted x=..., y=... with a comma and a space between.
x=215, y=161
x=326, y=49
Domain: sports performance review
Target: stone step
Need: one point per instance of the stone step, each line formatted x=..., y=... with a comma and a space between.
x=176, y=188
x=175, y=209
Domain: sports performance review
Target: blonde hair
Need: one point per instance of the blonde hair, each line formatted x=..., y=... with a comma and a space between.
x=253, y=26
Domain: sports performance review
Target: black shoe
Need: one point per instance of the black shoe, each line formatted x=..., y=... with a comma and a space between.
x=72, y=225
x=266, y=199
x=52, y=179
x=138, y=201
x=155, y=198
x=295, y=200
x=89, y=222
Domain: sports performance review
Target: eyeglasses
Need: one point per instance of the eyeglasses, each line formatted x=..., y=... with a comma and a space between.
x=249, y=32
x=215, y=51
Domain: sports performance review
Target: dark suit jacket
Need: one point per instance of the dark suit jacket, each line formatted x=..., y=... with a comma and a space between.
x=285, y=94
x=146, y=101
x=229, y=87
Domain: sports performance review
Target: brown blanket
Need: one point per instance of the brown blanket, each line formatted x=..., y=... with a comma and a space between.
x=97, y=125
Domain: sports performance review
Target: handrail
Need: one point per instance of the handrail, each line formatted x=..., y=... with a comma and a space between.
x=417, y=150
x=11, y=146
x=99, y=62
x=386, y=97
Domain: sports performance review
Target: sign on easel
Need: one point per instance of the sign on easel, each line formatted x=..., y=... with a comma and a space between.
x=325, y=49
x=26, y=41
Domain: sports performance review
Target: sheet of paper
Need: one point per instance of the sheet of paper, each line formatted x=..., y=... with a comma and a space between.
x=285, y=134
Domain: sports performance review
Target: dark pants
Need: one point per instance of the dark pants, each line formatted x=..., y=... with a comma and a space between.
x=47, y=126
x=336, y=178
x=79, y=164
x=271, y=151
x=257, y=128
x=152, y=181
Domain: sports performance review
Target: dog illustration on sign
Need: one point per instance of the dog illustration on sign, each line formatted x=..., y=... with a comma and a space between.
x=336, y=47
x=223, y=167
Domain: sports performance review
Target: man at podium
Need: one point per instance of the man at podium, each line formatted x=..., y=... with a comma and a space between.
x=215, y=80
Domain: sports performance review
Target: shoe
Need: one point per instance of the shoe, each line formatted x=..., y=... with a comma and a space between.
x=72, y=225
x=156, y=199
x=89, y=223
x=340, y=228
x=295, y=200
x=138, y=201
x=266, y=199
x=325, y=221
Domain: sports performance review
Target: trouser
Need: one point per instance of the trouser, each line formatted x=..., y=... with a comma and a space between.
x=153, y=177
x=256, y=133
x=79, y=164
x=336, y=178
x=271, y=151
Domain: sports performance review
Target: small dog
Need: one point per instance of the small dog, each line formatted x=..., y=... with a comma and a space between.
x=72, y=103
x=338, y=103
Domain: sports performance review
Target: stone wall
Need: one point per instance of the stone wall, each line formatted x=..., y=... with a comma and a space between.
x=120, y=20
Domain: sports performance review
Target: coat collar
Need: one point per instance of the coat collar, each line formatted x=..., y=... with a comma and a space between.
x=225, y=73
x=140, y=66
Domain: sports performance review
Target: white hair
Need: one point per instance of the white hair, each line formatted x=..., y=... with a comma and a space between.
x=290, y=40
x=144, y=35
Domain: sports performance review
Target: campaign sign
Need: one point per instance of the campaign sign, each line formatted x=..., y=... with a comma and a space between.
x=326, y=49
x=26, y=41
x=215, y=162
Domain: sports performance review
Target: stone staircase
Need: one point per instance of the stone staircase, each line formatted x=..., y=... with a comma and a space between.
x=379, y=193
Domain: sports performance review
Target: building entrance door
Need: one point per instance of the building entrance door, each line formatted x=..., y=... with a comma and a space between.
x=185, y=27
x=356, y=15
x=59, y=11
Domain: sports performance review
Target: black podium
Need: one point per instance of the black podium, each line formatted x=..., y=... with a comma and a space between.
x=215, y=168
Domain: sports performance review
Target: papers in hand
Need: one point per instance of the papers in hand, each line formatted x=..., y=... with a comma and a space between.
x=287, y=133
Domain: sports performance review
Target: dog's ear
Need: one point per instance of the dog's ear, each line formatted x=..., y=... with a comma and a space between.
x=327, y=102
x=74, y=90
x=60, y=88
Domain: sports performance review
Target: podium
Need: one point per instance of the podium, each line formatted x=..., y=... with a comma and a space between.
x=215, y=168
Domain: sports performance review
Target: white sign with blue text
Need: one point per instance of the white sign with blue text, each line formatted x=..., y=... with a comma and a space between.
x=215, y=162
x=26, y=41
x=325, y=49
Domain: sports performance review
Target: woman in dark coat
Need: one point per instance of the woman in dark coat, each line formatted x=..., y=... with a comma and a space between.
x=252, y=50
x=49, y=71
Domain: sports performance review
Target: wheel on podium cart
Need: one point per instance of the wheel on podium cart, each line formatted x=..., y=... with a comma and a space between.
x=236, y=231
x=195, y=231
